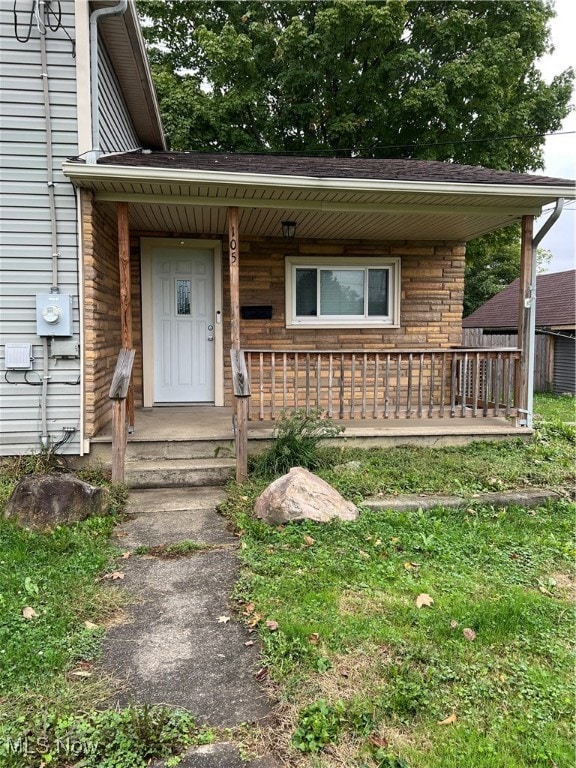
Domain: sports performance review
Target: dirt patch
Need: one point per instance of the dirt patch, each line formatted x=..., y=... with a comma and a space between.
x=565, y=586
x=354, y=603
x=353, y=675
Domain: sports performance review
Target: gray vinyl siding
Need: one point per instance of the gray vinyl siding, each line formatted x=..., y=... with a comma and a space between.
x=565, y=366
x=117, y=133
x=25, y=227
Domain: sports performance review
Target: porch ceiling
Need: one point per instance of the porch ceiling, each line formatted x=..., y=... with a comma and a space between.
x=191, y=201
x=267, y=222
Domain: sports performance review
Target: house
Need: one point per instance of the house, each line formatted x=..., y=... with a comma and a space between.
x=337, y=281
x=46, y=116
x=555, y=368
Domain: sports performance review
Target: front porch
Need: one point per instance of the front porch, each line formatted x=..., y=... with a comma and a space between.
x=194, y=445
x=359, y=314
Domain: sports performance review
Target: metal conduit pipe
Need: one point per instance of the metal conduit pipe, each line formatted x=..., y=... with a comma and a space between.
x=49, y=151
x=95, y=16
x=531, y=351
x=44, y=435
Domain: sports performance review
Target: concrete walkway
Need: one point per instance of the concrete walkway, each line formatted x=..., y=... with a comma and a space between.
x=180, y=644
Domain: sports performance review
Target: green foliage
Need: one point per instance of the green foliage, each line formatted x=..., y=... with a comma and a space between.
x=54, y=573
x=321, y=723
x=127, y=738
x=296, y=443
x=492, y=263
x=504, y=573
x=550, y=407
x=356, y=76
x=175, y=550
x=424, y=79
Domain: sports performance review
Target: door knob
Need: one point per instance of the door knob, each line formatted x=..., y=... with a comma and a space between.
x=210, y=338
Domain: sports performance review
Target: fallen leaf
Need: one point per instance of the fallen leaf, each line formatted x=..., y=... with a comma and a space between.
x=255, y=619
x=223, y=619
x=272, y=625
x=29, y=613
x=378, y=741
x=408, y=566
x=363, y=554
x=248, y=609
x=126, y=555
x=424, y=599
x=344, y=672
x=262, y=673
x=453, y=624
x=82, y=673
x=314, y=638
x=449, y=720
x=469, y=634
x=114, y=575
x=90, y=625
x=308, y=541
x=249, y=643
x=545, y=591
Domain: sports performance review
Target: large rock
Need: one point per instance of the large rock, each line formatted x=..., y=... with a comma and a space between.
x=44, y=501
x=300, y=495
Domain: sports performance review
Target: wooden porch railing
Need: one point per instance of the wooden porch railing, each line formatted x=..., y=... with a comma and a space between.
x=419, y=384
x=118, y=394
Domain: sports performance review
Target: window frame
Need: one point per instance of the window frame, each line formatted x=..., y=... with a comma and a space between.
x=392, y=320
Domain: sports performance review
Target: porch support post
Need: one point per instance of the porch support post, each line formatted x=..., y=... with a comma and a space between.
x=525, y=307
x=240, y=403
x=125, y=295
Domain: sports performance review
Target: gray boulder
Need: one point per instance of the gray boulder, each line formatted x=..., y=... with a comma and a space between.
x=44, y=501
x=301, y=495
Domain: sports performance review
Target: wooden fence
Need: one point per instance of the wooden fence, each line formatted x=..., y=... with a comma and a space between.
x=544, y=352
x=383, y=385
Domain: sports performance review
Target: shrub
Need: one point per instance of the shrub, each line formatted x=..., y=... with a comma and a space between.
x=296, y=443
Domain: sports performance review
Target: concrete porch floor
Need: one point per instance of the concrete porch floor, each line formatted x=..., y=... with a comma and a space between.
x=206, y=423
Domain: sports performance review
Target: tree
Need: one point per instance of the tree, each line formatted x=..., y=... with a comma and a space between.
x=435, y=80
x=492, y=263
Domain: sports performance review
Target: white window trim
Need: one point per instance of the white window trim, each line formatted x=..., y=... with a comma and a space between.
x=342, y=262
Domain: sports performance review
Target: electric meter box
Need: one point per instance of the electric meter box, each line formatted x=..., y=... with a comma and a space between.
x=53, y=314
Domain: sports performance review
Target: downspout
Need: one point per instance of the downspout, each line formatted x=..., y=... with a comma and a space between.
x=95, y=16
x=530, y=303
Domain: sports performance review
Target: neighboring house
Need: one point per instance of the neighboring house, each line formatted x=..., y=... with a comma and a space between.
x=185, y=256
x=555, y=368
x=39, y=217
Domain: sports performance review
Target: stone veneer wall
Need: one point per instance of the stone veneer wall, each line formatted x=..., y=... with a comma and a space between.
x=432, y=286
x=102, y=333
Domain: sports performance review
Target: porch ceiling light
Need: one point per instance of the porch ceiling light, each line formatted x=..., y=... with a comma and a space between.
x=288, y=228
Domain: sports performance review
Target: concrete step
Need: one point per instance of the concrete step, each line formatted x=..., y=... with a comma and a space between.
x=156, y=450
x=174, y=473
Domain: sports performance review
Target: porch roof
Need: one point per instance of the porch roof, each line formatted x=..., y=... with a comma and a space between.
x=336, y=198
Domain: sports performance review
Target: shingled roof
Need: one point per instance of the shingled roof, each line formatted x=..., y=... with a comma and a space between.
x=329, y=167
x=555, y=304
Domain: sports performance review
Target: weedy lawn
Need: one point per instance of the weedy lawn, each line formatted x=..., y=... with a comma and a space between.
x=55, y=603
x=421, y=640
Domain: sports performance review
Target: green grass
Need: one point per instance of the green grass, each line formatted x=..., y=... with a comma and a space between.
x=547, y=461
x=501, y=573
x=365, y=677
x=555, y=407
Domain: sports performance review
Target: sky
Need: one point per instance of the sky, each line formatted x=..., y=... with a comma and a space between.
x=560, y=151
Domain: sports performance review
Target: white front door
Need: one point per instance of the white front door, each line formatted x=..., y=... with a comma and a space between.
x=183, y=324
